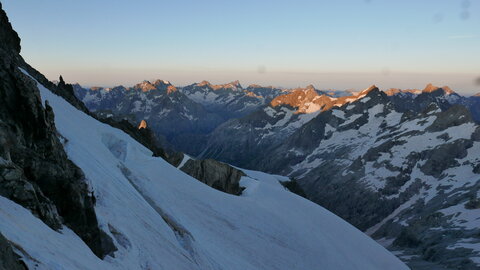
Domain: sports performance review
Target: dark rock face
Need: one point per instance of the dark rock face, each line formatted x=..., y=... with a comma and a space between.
x=294, y=187
x=218, y=175
x=473, y=104
x=8, y=259
x=15, y=186
x=444, y=156
x=10, y=40
x=454, y=116
x=34, y=169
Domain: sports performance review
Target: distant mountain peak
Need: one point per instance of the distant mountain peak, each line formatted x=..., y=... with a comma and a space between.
x=448, y=90
x=394, y=91
x=145, y=86
x=253, y=85
x=306, y=100
x=159, y=82
x=232, y=85
x=203, y=83
x=235, y=85
x=369, y=89
x=432, y=88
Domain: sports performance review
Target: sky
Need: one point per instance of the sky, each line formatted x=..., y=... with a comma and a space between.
x=330, y=44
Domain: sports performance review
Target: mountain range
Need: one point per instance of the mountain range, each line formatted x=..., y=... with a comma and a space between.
x=400, y=165
x=222, y=176
x=81, y=190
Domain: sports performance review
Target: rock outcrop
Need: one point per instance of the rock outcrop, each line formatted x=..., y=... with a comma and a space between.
x=216, y=174
x=8, y=259
x=143, y=124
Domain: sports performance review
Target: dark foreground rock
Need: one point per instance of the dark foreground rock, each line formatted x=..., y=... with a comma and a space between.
x=8, y=259
x=216, y=174
x=34, y=168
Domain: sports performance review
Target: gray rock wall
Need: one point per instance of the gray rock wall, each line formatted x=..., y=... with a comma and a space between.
x=34, y=168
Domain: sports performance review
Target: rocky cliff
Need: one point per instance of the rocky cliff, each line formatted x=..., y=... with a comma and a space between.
x=218, y=175
x=34, y=169
x=8, y=259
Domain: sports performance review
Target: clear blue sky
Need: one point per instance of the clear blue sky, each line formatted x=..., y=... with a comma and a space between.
x=332, y=44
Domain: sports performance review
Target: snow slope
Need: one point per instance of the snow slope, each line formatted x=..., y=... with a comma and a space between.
x=161, y=218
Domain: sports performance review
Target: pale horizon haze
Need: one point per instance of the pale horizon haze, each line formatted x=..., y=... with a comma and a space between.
x=330, y=44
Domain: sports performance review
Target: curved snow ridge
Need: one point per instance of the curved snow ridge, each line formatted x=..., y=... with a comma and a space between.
x=150, y=203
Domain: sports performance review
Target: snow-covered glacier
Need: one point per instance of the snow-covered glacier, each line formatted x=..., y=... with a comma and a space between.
x=161, y=218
